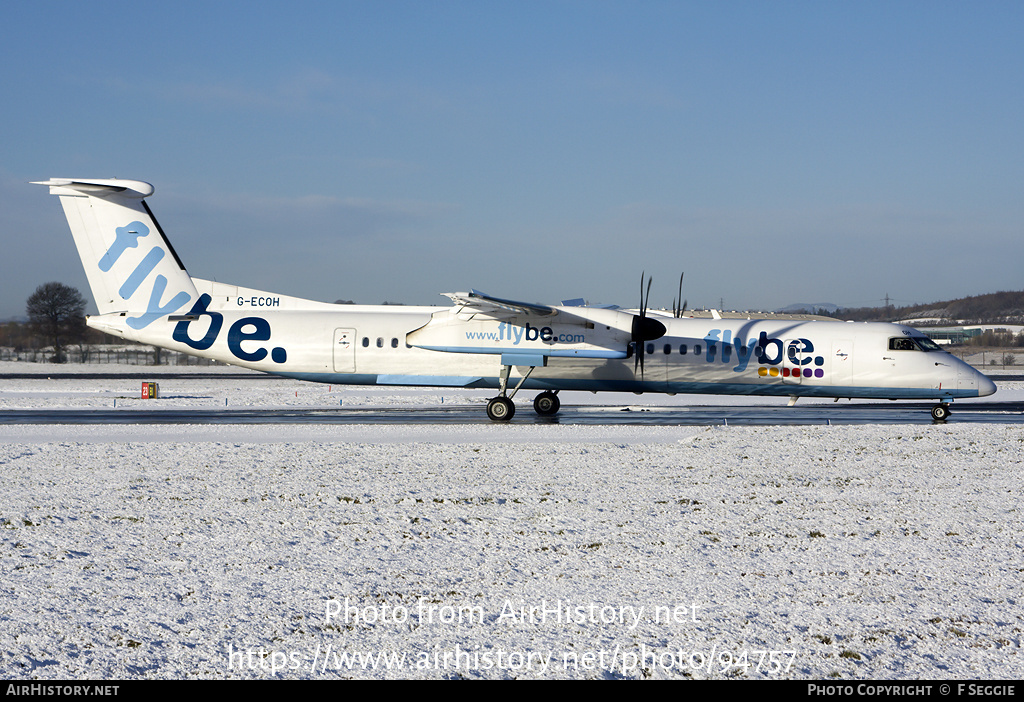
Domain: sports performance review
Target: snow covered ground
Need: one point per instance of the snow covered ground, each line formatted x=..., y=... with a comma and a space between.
x=555, y=551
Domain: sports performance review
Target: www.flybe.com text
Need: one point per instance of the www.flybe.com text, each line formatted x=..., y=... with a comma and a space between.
x=516, y=335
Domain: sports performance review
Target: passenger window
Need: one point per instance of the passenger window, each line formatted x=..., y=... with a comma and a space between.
x=394, y=343
x=366, y=342
x=682, y=349
x=380, y=342
x=696, y=349
x=668, y=349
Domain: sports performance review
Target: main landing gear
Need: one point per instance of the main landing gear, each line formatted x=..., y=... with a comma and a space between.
x=941, y=412
x=502, y=409
x=546, y=404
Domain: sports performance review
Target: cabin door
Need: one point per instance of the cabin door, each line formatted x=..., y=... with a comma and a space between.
x=841, y=371
x=344, y=350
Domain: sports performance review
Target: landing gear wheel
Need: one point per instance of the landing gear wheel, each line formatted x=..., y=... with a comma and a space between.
x=500, y=409
x=546, y=403
x=940, y=413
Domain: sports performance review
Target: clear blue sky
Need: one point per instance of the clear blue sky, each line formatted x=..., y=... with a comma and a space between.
x=778, y=152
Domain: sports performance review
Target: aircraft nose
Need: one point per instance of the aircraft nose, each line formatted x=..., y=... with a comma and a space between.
x=985, y=385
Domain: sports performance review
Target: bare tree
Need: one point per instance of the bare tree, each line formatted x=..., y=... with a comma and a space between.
x=57, y=311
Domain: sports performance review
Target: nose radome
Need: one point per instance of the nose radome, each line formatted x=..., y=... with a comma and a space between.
x=985, y=385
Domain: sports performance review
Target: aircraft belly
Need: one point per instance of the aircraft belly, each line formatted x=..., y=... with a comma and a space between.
x=585, y=374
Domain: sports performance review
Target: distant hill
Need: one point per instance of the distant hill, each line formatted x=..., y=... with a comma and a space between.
x=993, y=308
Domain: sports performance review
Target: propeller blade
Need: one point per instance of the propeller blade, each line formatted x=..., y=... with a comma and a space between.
x=678, y=312
x=644, y=328
x=637, y=326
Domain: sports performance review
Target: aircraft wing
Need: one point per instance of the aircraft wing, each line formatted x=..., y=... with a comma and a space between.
x=524, y=333
x=497, y=307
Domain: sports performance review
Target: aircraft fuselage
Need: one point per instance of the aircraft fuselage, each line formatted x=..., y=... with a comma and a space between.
x=376, y=345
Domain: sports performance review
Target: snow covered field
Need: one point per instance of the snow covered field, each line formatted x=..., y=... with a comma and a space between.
x=432, y=551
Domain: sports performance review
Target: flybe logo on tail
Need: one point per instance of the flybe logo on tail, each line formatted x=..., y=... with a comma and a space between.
x=127, y=237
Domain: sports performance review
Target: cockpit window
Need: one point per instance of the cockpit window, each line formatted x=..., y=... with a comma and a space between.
x=926, y=344
x=912, y=343
x=902, y=343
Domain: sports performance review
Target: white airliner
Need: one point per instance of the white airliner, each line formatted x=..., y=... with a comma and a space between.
x=143, y=293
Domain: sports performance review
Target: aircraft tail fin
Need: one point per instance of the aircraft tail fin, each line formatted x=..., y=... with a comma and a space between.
x=130, y=265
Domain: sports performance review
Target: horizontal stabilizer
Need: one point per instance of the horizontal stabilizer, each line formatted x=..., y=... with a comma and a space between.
x=98, y=187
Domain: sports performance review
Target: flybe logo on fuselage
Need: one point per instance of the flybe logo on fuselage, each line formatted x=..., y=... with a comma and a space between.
x=244, y=329
x=719, y=346
x=800, y=353
x=127, y=237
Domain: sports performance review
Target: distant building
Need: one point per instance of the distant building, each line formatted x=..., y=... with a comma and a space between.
x=960, y=335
